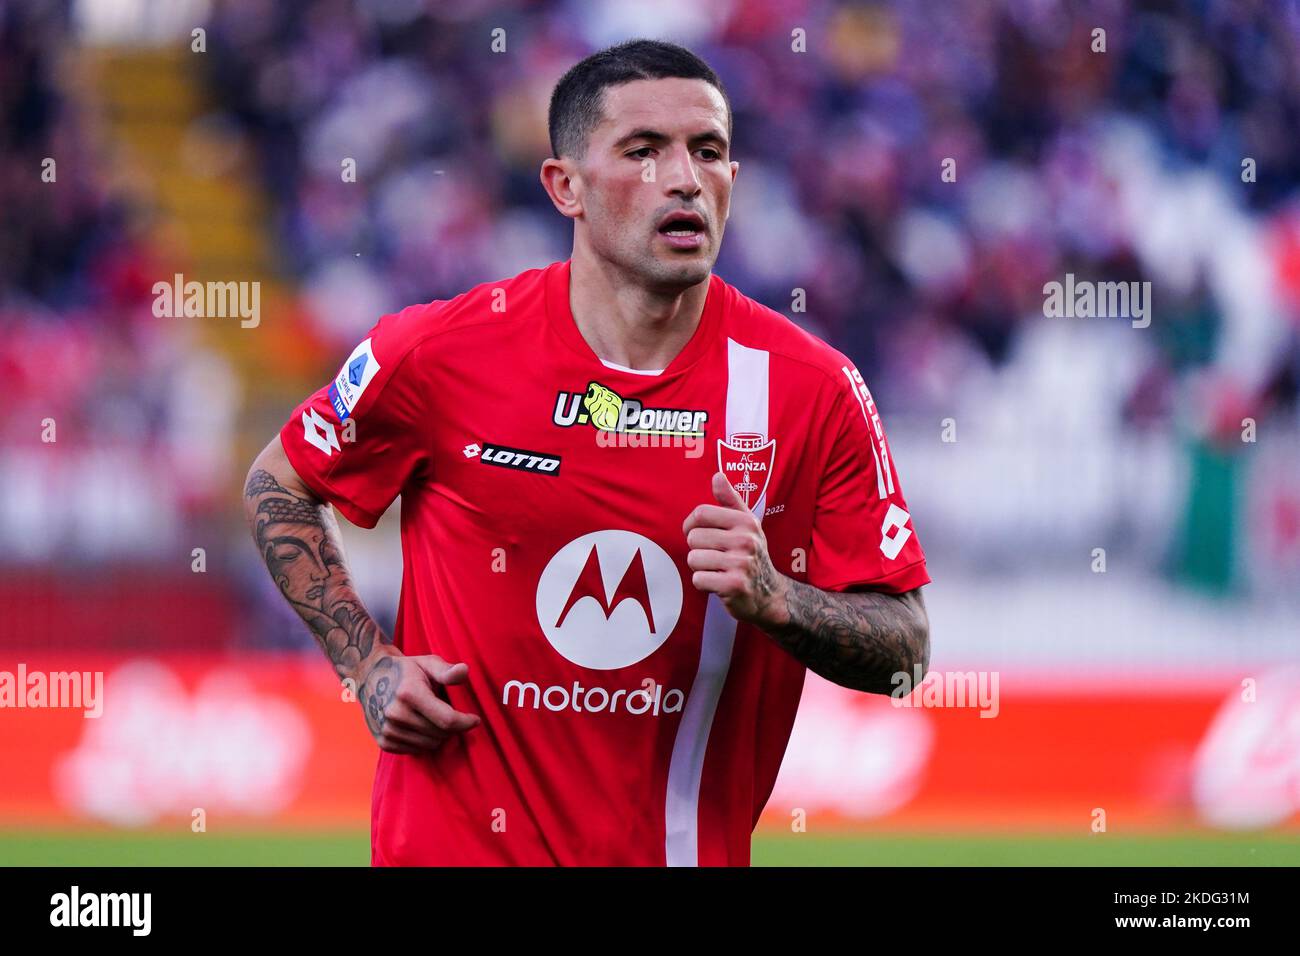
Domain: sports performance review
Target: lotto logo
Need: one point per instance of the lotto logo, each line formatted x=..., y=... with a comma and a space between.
x=319, y=432
x=517, y=458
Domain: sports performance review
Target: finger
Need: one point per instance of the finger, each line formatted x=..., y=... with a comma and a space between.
x=441, y=714
x=409, y=738
x=726, y=494
x=404, y=715
x=440, y=671
x=713, y=539
x=715, y=516
x=412, y=708
x=454, y=674
x=711, y=582
x=703, y=559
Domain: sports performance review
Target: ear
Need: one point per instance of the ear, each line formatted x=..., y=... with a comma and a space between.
x=563, y=184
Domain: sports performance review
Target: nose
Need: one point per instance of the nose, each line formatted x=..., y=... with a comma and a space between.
x=678, y=172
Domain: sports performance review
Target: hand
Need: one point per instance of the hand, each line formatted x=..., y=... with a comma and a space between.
x=729, y=558
x=405, y=707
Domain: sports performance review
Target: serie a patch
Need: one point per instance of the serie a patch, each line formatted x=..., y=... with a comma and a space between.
x=352, y=379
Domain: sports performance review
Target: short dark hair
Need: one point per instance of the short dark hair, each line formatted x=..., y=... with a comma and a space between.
x=576, y=100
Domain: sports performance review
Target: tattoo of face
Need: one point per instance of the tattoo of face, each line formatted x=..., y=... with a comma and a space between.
x=297, y=538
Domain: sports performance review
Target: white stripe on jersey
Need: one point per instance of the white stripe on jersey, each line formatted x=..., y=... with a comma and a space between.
x=747, y=411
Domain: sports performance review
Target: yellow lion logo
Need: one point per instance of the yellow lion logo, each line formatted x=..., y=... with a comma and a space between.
x=603, y=406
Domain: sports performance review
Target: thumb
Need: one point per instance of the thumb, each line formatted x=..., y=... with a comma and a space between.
x=725, y=494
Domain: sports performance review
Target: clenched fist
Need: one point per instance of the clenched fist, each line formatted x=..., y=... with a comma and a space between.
x=729, y=558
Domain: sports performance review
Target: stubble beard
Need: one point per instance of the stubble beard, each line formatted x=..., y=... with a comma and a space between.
x=667, y=272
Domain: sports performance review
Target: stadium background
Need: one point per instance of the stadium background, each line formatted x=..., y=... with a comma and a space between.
x=1163, y=690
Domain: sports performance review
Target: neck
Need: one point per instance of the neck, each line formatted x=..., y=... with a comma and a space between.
x=627, y=323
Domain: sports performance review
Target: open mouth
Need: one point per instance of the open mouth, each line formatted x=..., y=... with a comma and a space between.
x=684, y=230
x=680, y=229
x=681, y=226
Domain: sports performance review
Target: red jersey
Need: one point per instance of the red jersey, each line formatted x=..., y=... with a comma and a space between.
x=627, y=718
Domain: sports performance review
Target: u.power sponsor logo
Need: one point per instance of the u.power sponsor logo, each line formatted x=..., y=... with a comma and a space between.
x=606, y=410
x=605, y=601
x=519, y=459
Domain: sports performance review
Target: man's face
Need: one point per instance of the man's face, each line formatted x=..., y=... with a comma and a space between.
x=659, y=152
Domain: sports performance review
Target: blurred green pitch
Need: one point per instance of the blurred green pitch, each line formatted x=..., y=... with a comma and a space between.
x=352, y=848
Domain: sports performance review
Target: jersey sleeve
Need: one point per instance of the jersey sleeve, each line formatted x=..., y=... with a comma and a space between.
x=862, y=534
x=358, y=440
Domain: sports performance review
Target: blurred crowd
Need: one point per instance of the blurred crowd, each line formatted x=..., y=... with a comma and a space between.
x=99, y=460
x=920, y=170
x=1057, y=139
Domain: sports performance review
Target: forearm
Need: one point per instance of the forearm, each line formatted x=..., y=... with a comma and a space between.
x=298, y=538
x=858, y=639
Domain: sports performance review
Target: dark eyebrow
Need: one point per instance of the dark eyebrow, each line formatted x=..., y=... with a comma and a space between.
x=708, y=136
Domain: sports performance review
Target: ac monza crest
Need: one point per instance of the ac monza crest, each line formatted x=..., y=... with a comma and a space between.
x=745, y=459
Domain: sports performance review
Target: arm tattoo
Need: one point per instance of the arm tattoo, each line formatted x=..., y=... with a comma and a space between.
x=857, y=639
x=299, y=540
x=377, y=691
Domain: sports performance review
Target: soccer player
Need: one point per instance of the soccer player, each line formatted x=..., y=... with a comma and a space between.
x=636, y=507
